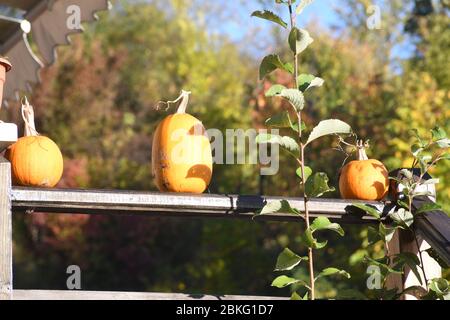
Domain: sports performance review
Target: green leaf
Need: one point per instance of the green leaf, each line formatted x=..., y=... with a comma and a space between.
x=317, y=185
x=406, y=173
x=295, y=296
x=439, y=286
x=327, y=127
x=302, y=5
x=333, y=271
x=278, y=206
x=270, y=16
x=369, y=210
x=289, y=67
x=445, y=156
x=306, y=81
x=429, y=181
x=409, y=259
x=386, y=233
x=402, y=217
x=382, y=264
x=416, y=149
x=422, y=164
x=426, y=207
x=385, y=294
x=416, y=291
x=443, y=143
x=288, y=260
x=280, y=120
x=275, y=90
x=323, y=223
x=295, y=97
x=295, y=126
x=284, y=281
x=373, y=235
x=284, y=141
x=415, y=133
x=308, y=239
x=272, y=62
x=402, y=204
x=308, y=172
x=299, y=40
x=438, y=133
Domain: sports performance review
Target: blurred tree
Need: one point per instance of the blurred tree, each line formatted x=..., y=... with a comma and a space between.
x=98, y=103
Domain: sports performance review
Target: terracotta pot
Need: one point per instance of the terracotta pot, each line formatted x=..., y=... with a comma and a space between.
x=5, y=66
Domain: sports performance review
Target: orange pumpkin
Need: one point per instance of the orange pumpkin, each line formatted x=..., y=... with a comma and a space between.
x=35, y=160
x=364, y=178
x=181, y=153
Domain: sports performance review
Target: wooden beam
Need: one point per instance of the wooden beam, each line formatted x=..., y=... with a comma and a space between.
x=434, y=227
x=115, y=295
x=5, y=231
x=181, y=205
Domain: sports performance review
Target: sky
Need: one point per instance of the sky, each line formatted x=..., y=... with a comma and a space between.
x=232, y=18
x=319, y=8
x=320, y=11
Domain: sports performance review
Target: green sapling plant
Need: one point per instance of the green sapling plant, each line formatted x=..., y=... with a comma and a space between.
x=412, y=184
x=311, y=184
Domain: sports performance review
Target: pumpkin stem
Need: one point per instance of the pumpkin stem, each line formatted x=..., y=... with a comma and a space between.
x=28, y=118
x=184, y=101
x=361, y=150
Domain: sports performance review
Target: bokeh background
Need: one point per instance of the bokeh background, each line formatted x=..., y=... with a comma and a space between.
x=97, y=102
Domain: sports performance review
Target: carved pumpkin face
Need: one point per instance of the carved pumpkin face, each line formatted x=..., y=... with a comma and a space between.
x=364, y=179
x=181, y=154
x=35, y=161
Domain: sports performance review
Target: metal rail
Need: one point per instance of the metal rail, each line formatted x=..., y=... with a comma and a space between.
x=179, y=205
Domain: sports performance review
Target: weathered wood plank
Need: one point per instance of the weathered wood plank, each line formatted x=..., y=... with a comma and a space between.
x=5, y=231
x=434, y=227
x=431, y=267
x=116, y=295
x=394, y=247
x=172, y=204
x=403, y=241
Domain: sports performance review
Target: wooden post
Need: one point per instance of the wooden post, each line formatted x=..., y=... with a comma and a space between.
x=5, y=231
x=431, y=267
x=413, y=242
x=395, y=281
x=403, y=241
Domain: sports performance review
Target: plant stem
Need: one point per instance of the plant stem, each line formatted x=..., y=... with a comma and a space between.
x=422, y=265
x=305, y=201
x=293, y=24
x=302, y=162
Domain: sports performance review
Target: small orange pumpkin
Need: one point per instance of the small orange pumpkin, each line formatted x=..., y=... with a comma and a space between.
x=181, y=152
x=364, y=178
x=35, y=160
